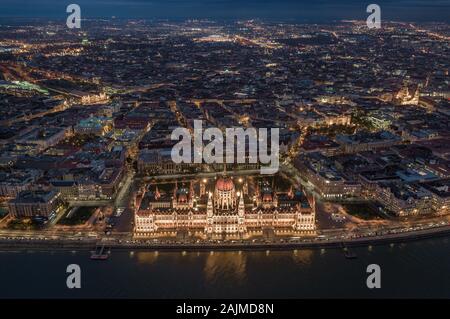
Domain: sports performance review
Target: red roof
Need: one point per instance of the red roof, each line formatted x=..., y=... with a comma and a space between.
x=224, y=184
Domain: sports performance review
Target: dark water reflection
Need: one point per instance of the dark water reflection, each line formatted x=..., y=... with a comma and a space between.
x=418, y=269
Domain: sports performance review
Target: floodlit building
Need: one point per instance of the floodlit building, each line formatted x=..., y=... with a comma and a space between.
x=223, y=209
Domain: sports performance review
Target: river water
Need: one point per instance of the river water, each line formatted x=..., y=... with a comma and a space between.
x=415, y=269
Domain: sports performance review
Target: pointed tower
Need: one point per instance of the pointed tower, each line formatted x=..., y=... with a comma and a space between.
x=191, y=195
x=275, y=199
x=209, y=215
x=241, y=215
x=209, y=207
x=202, y=188
x=174, y=196
x=175, y=189
x=241, y=206
x=257, y=194
x=157, y=193
x=291, y=192
x=224, y=173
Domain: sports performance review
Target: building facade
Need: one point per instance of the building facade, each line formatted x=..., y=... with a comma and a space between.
x=223, y=209
x=37, y=203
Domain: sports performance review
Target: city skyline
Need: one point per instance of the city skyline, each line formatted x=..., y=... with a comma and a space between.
x=207, y=149
x=285, y=10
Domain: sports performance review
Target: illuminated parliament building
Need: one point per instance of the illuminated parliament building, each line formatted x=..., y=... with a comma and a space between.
x=222, y=207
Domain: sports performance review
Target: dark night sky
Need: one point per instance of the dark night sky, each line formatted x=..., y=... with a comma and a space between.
x=300, y=10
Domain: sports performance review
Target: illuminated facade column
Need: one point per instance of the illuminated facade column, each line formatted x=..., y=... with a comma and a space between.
x=241, y=215
x=209, y=215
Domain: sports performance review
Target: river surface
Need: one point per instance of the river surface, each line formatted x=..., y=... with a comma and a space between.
x=414, y=269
